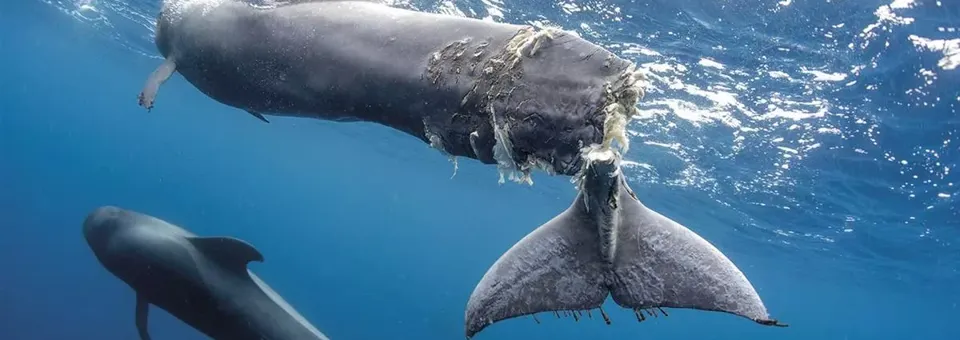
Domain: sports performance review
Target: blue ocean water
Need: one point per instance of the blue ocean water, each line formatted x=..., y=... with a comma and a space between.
x=814, y=142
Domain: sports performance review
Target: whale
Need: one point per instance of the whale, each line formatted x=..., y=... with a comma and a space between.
x=522, y=97
x=202, y=281
x=607, y=243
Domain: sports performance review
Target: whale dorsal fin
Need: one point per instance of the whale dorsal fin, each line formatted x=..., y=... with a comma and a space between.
x=228, y=252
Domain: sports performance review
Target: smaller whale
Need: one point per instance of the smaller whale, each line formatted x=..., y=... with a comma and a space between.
x=607, y=242
x=202, y=281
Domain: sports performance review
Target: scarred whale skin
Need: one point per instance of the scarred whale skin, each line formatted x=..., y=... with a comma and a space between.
x=202, y=281
x=503, y=94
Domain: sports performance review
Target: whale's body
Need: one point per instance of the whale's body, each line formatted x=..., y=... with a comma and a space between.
x=499, y=93
x=202, y=281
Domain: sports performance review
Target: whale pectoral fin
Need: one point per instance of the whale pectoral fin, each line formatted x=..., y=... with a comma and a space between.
x=557, y=267
x=258, y=115
x=143, y=310
x=660, y=263
x=160, y=75
x=229, y=252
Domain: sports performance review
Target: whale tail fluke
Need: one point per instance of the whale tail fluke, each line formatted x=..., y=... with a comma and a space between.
x=557, y=267
x=661, y=263
x=656, y=263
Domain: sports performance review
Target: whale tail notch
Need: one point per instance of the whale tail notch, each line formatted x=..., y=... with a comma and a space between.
x=656, y=263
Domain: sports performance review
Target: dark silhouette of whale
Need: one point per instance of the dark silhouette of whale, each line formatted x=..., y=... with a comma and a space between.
x=608, y=243
x=512, y=95
x=203, y=281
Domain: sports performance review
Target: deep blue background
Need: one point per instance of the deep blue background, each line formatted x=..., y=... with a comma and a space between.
x=365, y=233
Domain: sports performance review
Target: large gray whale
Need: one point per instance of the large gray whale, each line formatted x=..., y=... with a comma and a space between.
x=608, y=243
x=202, y=281
x=512, y=95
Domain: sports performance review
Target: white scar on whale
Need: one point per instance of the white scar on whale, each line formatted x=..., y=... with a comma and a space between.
x=622, y=97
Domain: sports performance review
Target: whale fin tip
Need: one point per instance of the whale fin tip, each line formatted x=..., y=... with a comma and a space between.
x=258, y=115
x=160, y=75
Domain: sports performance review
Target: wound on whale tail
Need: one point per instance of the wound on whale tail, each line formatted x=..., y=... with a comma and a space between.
x=655, y=262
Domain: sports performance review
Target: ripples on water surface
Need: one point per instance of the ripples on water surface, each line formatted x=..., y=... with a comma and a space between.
x=824, y=128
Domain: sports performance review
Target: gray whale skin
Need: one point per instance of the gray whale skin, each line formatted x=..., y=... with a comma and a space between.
x=502, y=94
